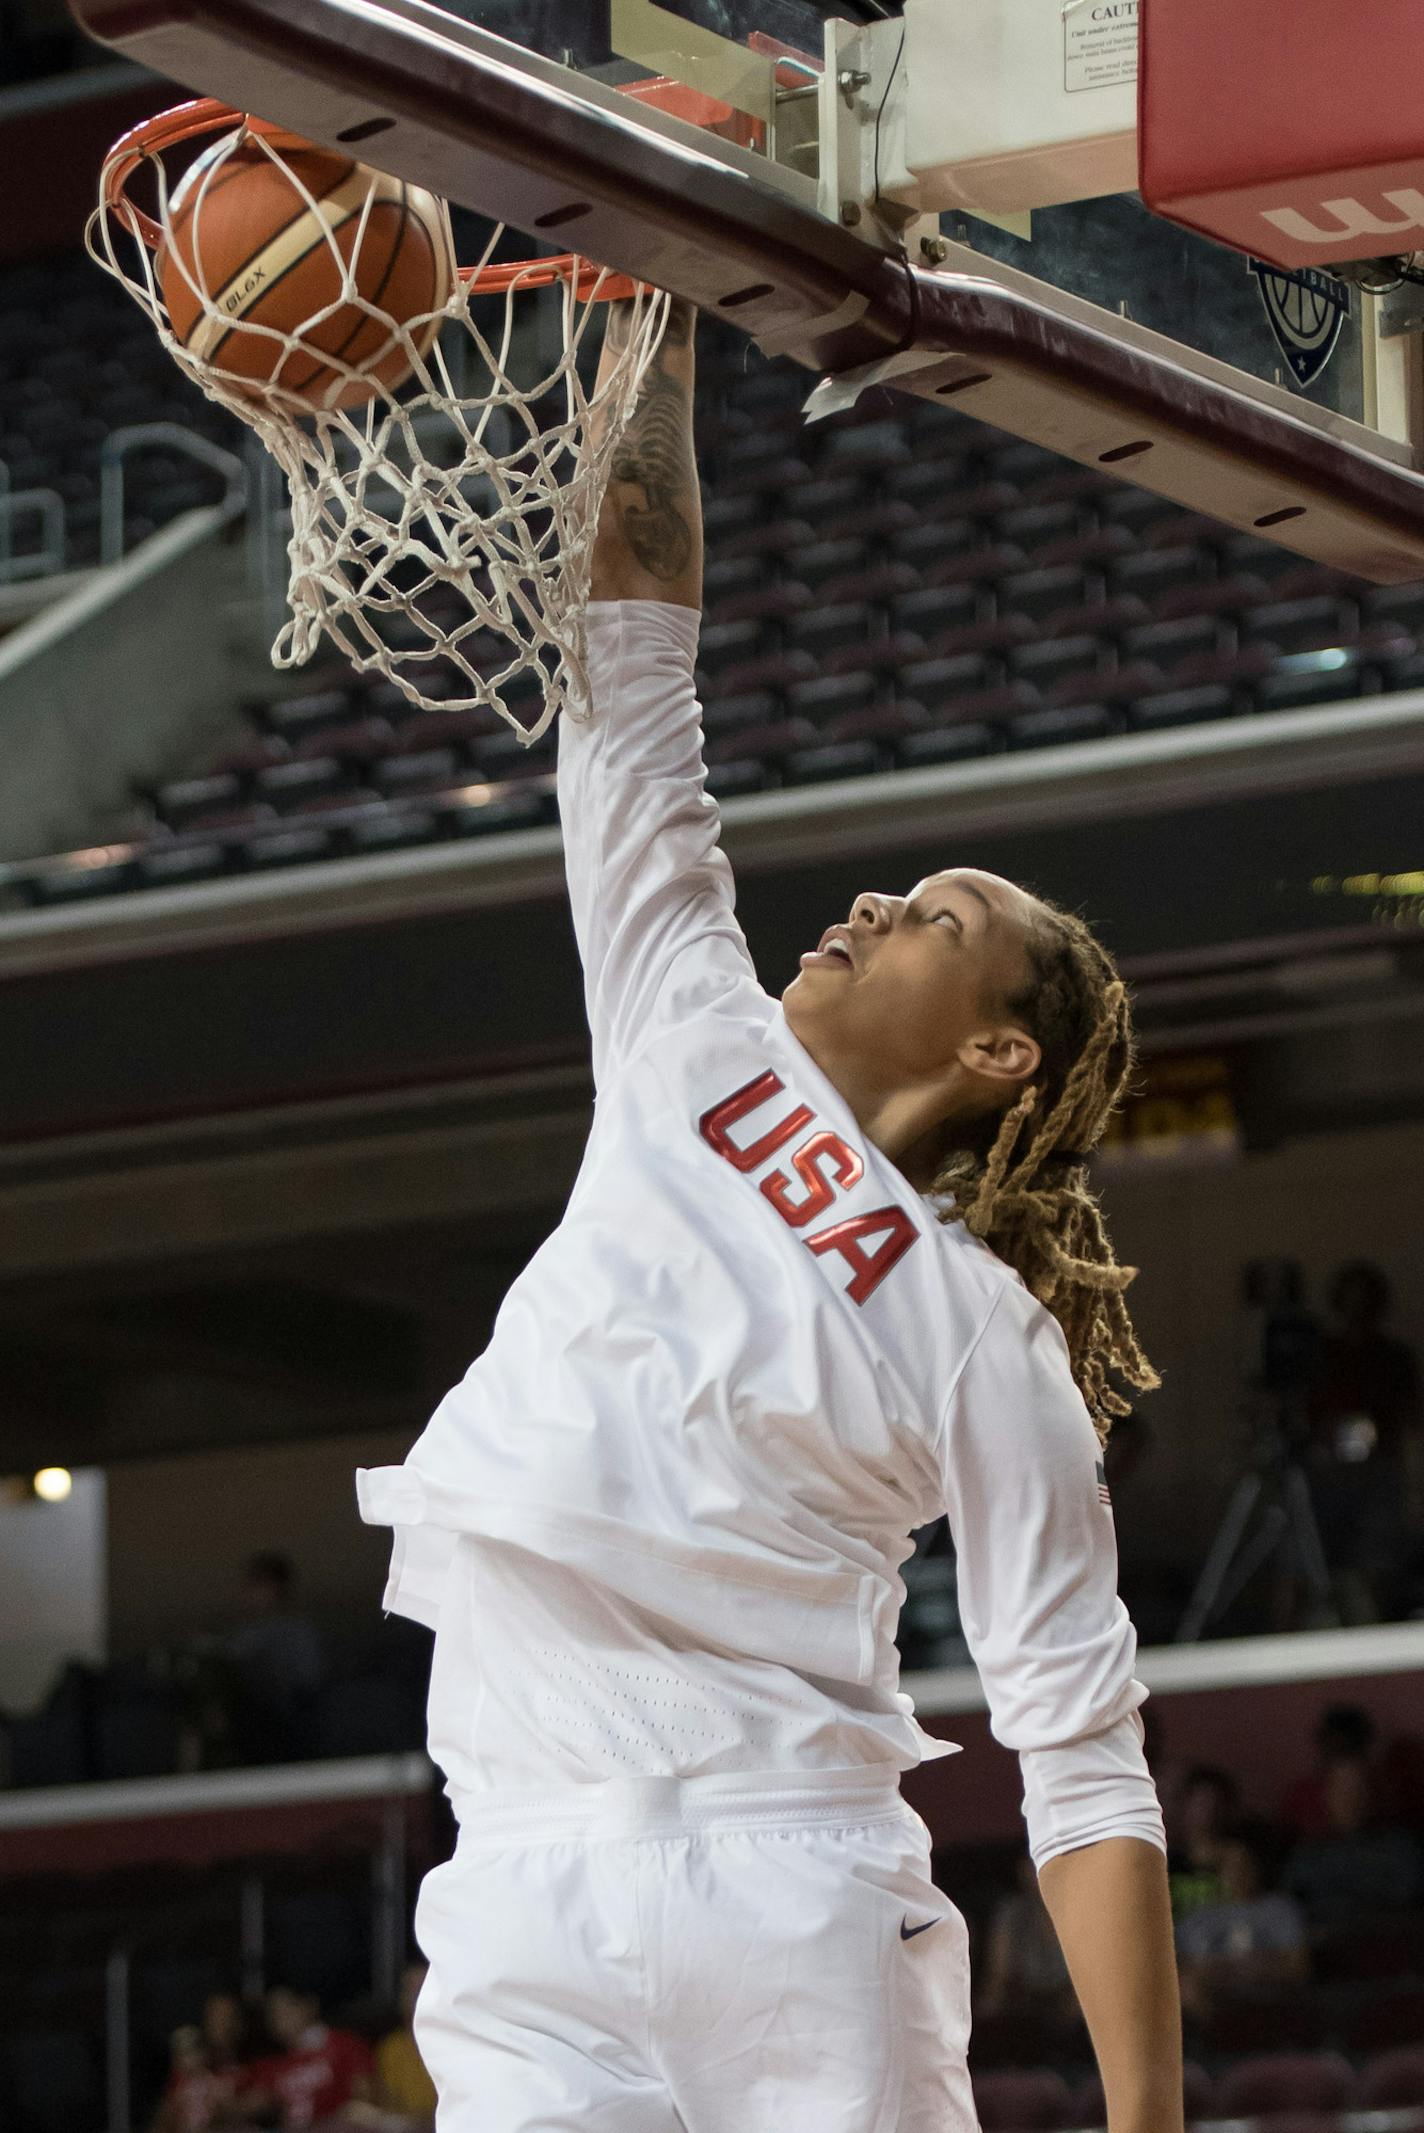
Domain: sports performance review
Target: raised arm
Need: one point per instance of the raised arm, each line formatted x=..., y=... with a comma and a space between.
x=649, y=541
x=650, y=888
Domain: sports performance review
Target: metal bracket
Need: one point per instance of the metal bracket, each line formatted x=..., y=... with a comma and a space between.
x=860, y=117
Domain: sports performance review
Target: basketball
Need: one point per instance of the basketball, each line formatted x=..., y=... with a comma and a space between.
x=284, y=241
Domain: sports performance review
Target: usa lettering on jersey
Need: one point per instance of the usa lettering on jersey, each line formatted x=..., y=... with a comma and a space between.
x=820, y=1167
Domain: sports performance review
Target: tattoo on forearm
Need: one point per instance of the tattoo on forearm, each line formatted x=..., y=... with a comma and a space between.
x=655, y=454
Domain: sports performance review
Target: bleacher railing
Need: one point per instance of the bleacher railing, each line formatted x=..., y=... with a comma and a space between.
x=120, y=446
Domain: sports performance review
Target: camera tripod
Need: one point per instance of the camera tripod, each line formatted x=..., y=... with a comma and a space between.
x=1274, y=1496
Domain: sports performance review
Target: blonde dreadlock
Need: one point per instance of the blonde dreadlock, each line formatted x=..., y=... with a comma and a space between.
x=1026, y=1194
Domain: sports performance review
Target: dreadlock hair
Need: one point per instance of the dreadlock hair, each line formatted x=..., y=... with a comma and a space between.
x=1023, y=1188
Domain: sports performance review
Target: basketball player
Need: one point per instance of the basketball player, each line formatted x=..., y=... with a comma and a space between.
x=830, y=1268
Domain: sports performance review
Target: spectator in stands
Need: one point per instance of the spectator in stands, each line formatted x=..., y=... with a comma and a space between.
x=1362, y=1866
x=403, y=2086
x=1209, y=1802
x=1024, y=1972
x=1366, y=1446
x=1345, y=1733
x=276, y=1662
x=316, y=2072
x=1253, y=1939
x=209, y=2068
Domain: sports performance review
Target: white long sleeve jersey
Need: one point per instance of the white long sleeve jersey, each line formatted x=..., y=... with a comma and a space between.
x=658, y=1526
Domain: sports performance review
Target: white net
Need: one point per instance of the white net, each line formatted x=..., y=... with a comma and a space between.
x=442, y=532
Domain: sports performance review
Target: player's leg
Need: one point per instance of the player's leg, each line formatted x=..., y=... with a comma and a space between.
x=809, y=1981
x=531, y=2019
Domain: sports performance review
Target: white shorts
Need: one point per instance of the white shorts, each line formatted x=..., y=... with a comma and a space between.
x=705, y=1955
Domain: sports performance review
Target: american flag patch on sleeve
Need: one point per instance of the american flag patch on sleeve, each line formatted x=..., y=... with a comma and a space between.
x=1103, y=1496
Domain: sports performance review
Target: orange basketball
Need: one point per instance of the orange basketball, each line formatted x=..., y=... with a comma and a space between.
x=269, y=243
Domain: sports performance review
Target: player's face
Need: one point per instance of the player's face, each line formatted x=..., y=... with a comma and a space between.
x=919, y=983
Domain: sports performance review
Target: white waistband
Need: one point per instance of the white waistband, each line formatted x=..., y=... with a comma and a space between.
x=673, y=1806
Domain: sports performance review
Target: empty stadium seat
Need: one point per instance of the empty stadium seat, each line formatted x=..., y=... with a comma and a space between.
x=1023, y=2102
x=879, y=655
x=1098, y=616
x=1033, y=526
x=832, y=759
x=294, y=717
x=1180, y=707
x=934, y=608
x=762, y=602
x=1092, y=550
x=1040, y=593
x=429, y=770
x=775, y=537
x=1047, y=661
x=1301, y=625
x=958, y=743
x=160, y=866
x=1153, y=573
x=1229, y=596
x=1198, y=2096
x=887, y=723
x=728, y=781
x=941, y=680
x=1106, y=684
x=872, y=582
x=1394, y=2080
x=825, y=628
x=767, y=744
x=1054, y=726
x=723, y=577
x=289, y=785
x=878, y=446
x=1403, y=604
x=294, y=846
x=197, y=799
x=1286, y=2081
x=882, y=519
x=834, y=696
x=814, y=562
x=1166, y=644
x=997, y=634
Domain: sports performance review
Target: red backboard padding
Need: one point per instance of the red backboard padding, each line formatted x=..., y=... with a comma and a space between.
x=1290, y=129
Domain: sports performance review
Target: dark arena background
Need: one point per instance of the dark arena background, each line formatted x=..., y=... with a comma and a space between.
x=294, y=1079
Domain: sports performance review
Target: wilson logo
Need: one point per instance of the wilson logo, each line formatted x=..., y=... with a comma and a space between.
x=1403, y=216
x=821, y=1167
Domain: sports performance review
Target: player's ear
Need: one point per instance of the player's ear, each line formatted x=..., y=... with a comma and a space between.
x=1005, y=1054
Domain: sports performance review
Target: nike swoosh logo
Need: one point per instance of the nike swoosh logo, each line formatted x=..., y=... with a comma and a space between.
x=908, y=1932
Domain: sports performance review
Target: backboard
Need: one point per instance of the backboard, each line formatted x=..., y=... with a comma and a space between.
x=1285, y=403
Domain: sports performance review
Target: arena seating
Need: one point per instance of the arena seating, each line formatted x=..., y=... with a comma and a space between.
x=79, y=360
x=893, y=588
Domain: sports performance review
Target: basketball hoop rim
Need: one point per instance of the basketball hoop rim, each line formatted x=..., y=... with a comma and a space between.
x=155, y=136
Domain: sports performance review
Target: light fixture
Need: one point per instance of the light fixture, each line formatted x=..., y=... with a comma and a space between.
x=53, y=1483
